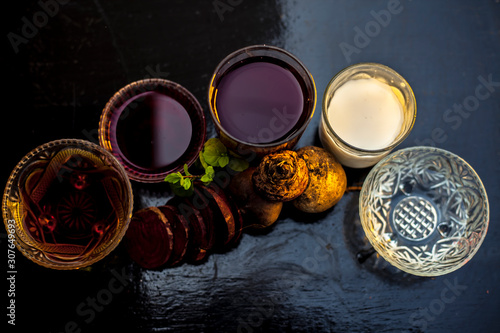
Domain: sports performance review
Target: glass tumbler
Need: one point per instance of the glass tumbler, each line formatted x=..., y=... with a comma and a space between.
x=261, y=99
x=368, y=109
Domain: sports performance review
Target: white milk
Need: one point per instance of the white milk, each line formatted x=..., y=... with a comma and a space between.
x=366, y=114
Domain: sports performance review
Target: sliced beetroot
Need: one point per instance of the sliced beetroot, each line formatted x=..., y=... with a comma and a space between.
x=149, y=238
x=180, y=229
x=199, y=202
x=224, y=221
x=238, y=218
x=198, y=238
x=236, y=211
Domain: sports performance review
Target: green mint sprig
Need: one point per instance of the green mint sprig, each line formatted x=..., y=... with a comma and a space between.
x=213, y=155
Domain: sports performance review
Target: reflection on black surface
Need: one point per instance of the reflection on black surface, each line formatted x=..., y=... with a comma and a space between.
x=62, y=78
x=362, y=251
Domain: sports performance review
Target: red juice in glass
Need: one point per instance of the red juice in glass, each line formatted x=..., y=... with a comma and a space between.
x=261, y=100
x=153, y=127
x=154, y=130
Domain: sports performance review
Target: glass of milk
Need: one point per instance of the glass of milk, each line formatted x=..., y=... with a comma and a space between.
x=368, y=109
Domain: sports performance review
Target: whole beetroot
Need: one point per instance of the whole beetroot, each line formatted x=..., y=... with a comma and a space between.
x=281, y=176
x=257, y=211
x=327, y=180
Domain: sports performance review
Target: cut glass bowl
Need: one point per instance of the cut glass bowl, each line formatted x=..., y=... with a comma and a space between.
x=424, y=210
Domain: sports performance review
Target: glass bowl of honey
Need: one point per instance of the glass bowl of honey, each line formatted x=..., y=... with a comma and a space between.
x=67, y=204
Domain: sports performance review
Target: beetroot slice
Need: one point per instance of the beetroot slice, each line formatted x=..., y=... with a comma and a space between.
x=149, y=238
x=198, y=240
x=235, y=210
x=238, y=218
x=180, y=229
x=201, y=203
x=223, y=217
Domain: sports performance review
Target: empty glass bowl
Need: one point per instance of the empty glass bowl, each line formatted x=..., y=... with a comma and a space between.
x=424, y=210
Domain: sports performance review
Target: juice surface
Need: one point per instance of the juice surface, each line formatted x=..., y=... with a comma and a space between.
x=153, y=130
x=259, y=102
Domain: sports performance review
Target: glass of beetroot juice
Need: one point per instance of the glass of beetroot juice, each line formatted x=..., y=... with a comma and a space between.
x=261, y=100
x=153, y=127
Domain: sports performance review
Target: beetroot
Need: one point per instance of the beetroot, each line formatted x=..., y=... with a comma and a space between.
x=149, y=238
x=185, y=228
x=257, y=211
x=199, y=238
x=199, y=202
x=180, y=229
x=238, y=219
x=224, y=221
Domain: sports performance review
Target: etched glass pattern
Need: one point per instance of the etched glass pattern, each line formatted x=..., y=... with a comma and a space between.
x=424, y=210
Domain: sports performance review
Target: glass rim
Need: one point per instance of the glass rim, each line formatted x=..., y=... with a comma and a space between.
x=262, y=47
x=350, y=146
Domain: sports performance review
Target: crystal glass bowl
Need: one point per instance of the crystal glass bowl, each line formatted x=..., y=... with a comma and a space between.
x=67, y=204
x=424, y=210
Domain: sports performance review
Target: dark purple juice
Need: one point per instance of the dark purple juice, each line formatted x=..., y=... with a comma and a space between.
x=153, y=130
x=259, y=102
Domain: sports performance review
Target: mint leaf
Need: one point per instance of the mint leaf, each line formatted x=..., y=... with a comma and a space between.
x=223, y=161
x=238, y=164
x=186, y=171
x=214, y=154
x=206, y=179
x=202, y=160
x=212, y=142
x=174, y=178
x=211, y=156
x=187, y=183
x=213, y=151
x=208, y=176
x=210, y=172
x=180, y=191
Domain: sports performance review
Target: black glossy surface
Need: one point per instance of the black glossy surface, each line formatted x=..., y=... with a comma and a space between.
x=302, y=275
